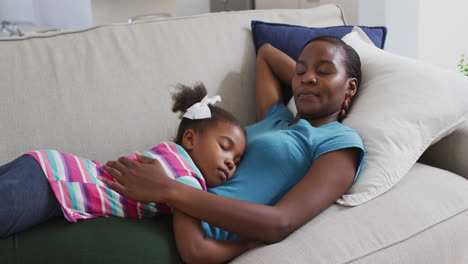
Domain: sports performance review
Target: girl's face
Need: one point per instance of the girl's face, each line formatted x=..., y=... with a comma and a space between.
x=216, y=151
x=320, y=82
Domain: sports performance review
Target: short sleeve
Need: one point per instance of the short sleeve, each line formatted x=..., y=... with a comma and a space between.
x=190, y=180
x=177, y=164
x=342, y=137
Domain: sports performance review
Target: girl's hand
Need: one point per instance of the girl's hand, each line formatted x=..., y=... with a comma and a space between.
x=195, y=247
x=143, y=181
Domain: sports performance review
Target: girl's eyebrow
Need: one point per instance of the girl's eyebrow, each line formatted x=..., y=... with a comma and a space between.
x=231, y=142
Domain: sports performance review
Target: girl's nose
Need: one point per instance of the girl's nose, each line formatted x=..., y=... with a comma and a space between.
x=229, y=163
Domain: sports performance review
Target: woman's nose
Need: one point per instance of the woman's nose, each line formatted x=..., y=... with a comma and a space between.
x=309, y=78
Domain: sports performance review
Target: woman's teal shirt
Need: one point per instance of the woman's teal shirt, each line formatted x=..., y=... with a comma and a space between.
x=277, y=156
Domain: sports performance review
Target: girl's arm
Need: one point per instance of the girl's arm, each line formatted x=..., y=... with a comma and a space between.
x=323, y=184
x=194, y=247
x=272, y=69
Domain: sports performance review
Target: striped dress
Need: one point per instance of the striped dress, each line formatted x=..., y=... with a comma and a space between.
x=82, y=195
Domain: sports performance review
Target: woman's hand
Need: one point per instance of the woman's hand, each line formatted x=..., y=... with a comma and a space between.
x=143, y=181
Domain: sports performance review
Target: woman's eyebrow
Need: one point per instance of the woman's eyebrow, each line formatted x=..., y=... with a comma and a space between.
x=320, y=62
x=326, y=62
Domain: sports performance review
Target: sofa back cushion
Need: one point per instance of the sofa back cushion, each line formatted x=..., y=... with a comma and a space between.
x=104, y=92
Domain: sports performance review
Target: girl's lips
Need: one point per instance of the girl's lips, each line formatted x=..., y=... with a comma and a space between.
x=223, y=174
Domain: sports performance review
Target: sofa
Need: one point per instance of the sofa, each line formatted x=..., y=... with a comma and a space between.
x=104, y=92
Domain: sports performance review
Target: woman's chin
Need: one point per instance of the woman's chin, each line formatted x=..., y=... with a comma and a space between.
x=306, y=110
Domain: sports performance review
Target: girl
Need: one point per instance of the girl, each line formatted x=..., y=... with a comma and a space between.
x=43, y=184
x=294, y=167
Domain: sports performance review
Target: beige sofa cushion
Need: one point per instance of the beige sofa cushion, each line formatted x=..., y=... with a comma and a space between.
x=422, y=205
x=105, y=92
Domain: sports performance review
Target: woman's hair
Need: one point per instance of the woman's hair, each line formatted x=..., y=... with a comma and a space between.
x=352, y=60
x=186, y=96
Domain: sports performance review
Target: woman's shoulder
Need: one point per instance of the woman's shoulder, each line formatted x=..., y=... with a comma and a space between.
x=338, y=131
x=328, y=137
x=339, y=127
x=336, y=136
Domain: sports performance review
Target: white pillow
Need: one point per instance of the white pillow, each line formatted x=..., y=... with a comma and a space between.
x=402, y=107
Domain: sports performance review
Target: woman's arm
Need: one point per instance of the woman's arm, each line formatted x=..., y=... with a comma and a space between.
x=195, y=247
x=272, y=69
x=323, y=184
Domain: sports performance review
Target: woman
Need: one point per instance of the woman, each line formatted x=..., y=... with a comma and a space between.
x=293, y=167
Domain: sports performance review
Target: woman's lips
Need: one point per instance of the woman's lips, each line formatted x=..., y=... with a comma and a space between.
x=307, y=95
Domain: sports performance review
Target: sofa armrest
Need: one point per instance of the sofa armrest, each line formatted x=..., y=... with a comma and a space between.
x=450, y=152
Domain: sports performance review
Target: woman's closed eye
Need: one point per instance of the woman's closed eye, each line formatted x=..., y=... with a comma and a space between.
x=300, y=72
x=326, y=68
x=324, y=73
x=300, y=68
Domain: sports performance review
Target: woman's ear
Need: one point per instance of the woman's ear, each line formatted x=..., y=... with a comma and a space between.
x=352, y=87
x=350, y=92
x=188, y=139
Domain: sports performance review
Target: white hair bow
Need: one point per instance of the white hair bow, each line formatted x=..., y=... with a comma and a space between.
x=201, y=110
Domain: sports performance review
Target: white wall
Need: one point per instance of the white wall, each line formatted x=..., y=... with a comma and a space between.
x=64, y=14
x=74, y=14
x=434, y=31
x=443, y=32
x=18, y=10
x=192, y=7
x=401, y=17
x=119, y=11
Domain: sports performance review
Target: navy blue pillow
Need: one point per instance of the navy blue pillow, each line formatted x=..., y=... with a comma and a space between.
x=291, y=38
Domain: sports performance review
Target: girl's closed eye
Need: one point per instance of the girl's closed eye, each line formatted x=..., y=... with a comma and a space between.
x=225, y=144
x=222, y=146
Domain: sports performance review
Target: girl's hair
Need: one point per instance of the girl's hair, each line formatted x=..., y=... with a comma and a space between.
x=186, y=96
x=352, y=59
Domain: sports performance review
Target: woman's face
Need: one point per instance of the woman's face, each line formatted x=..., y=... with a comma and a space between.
x=320, y=82
x=217, y=150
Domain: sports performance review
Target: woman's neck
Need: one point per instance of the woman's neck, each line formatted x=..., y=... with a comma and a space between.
x=316, y=122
